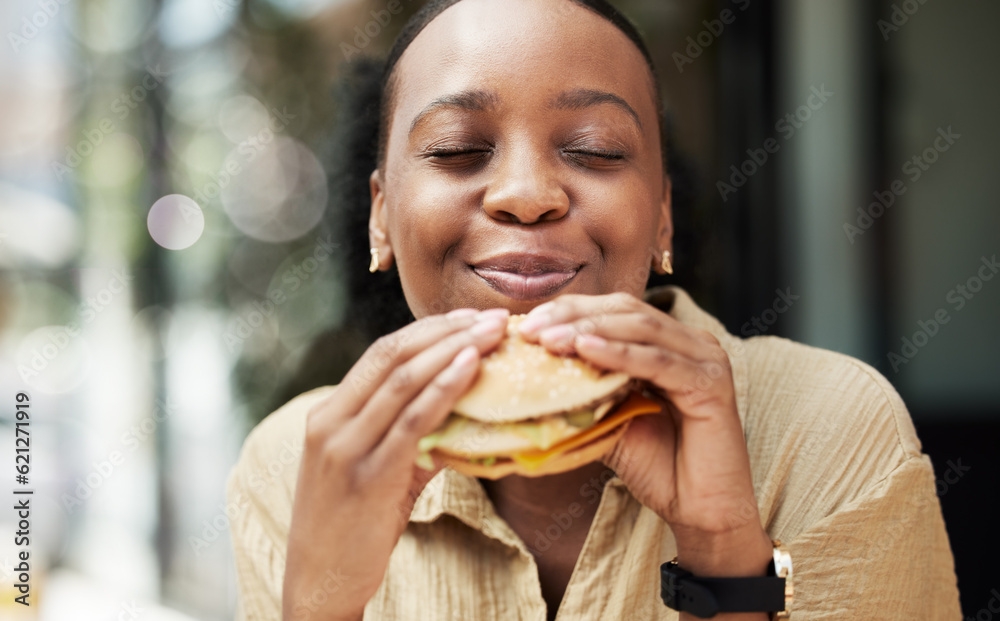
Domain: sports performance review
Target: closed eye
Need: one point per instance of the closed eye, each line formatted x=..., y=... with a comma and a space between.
x=452, y=151
x=607, y=154
x=595, y=157
x=457, y=157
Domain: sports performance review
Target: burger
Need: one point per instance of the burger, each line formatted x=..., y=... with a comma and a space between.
x=531, y=412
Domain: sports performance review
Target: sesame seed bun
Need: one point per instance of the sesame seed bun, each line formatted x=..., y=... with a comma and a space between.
x=522, y=380
x=532, y=413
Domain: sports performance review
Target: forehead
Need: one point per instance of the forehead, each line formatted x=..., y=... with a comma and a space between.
x=520, y=48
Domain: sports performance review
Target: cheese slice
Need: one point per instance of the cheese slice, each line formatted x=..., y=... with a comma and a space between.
x=635, y=405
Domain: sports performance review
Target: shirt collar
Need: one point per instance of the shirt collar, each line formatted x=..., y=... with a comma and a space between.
x=464, y=498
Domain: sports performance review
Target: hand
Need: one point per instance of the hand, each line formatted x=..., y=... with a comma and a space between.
x=689, y=464
x=358, y=480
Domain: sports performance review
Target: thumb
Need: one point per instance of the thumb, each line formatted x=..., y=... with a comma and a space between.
x=418, y=482
x=644, y=437
x=421, y=478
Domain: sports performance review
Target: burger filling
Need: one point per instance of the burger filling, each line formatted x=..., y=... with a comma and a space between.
x=475, y=439
x=478, y=442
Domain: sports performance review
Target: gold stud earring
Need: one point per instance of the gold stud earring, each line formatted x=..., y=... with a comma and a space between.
x=665, y=264
x=373, y=267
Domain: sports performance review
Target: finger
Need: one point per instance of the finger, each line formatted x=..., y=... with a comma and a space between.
x=410, y=379
x=646, y=326
x=391, y=350
x=426, y=412
x=370, y=371
x=569, y=308
x=686, y=382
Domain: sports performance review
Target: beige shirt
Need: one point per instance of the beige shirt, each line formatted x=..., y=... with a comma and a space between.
x=838, y=475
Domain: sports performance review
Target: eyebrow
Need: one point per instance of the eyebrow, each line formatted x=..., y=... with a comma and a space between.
x=481, y=100
x=580, y=98
x=475, y=100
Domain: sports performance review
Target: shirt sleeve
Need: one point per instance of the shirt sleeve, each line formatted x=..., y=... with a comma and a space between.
x=885, y=555
x=259, y=554
x=260, y=492
x=842, y=481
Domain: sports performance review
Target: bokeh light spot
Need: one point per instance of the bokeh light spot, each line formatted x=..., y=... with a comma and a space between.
x=242, y=117
x=277, y=191
x=175, y=222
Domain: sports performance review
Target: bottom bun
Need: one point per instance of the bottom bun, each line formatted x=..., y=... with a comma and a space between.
x=581, y=456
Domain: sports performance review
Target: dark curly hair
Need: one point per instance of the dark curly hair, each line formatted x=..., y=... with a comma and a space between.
x=376, y=305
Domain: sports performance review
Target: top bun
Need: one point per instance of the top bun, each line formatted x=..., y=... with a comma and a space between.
x=522, y=380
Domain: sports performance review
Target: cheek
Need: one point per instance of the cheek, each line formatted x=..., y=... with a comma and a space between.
x=627, y=213
x=629, y=250
x=425, y=222
x=623, y=221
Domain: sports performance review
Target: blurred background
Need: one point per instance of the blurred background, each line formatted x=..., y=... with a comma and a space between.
x=170, y=271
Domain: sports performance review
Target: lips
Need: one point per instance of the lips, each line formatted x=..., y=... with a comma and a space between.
x=527, y=276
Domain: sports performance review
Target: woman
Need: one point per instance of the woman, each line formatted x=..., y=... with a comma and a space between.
x=521, y=167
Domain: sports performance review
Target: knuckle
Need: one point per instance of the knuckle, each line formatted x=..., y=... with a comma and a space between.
x=661, y=358
x=649, y=322
x=338, y=456
x=707, y=337
x=315, y=438
x=458, y=340
x=718, y=367
x=386, y=345
x=443, y=383
x=316, y=433
x=410, y=422
x=426, y=323
x=623, y=300
x=401, y=379
x=713, y=369
x=717, y=353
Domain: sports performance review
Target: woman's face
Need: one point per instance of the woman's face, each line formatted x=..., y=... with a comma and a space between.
x=522, y=162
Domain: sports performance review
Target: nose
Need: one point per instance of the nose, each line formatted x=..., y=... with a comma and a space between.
x=525, y=190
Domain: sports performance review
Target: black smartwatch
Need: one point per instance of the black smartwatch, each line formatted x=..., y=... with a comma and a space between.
x=706, y=597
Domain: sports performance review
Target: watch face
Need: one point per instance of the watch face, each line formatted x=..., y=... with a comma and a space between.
x=783, y=569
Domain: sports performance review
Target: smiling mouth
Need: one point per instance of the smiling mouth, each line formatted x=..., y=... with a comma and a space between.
x=526, y=278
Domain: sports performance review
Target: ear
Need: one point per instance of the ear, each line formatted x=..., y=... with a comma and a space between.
x=378, y=221
x=665, y=233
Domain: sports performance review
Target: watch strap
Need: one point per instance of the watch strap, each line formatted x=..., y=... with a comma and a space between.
x=707, y=597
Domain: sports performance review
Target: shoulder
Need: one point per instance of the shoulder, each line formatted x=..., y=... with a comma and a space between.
x=820, y=422
x=798, y=382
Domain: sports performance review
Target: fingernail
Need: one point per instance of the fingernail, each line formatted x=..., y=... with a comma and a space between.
x=558, y=335
x=487, y=327
x=493, y=313
x=591, y=341
x=462, y=312
x=534, y=323
x=465, y=357
x=460, y=364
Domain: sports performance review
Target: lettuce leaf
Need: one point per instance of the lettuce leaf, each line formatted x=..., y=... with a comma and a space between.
x=425, y=461
x=582, y=419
